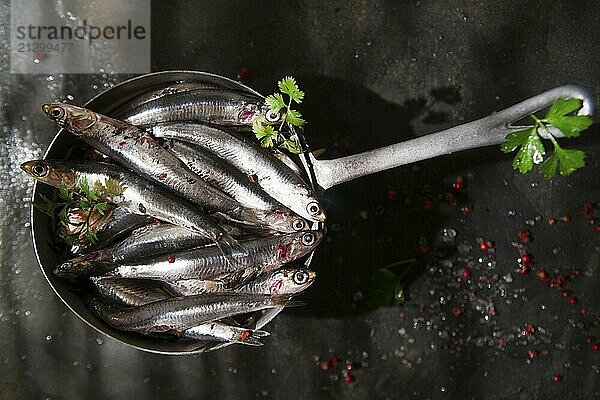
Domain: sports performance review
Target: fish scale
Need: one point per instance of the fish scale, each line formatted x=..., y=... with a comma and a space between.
x=220, y=106
x=276, y=178
x=182, y=313
x=209, y=263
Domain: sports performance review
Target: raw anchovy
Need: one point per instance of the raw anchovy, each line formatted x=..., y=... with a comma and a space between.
x=284, y=281
x=130, y=292
x=277, y=179
x=157, y=93
x=135, y=195
x=218, y=331
x=226, y=177
x=115, y=223
x=148, y=241
x=182, y=313
x=204, y=263
x=133, y=292
x=219, y=106
x=137, y=150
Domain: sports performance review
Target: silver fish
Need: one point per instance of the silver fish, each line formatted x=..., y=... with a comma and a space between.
x=131, y=292
x=148, y=241
x=277, y=179
x=284, y=281
x=134, y=194
x=157, y=93
x=139, y=151
x=226, y=177
x=204, y=263
x=219, y=106
x=182, y=313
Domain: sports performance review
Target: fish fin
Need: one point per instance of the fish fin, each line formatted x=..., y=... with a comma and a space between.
x=230, y=249
x=287, y=302
x=250, y=341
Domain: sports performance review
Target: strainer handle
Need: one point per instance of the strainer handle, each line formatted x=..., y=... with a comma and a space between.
x=487, y=131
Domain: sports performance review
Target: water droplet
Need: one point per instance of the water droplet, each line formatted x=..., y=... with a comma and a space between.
x=99, y=340
x=49, y=337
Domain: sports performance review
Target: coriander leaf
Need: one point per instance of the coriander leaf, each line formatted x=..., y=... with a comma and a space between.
x=267, y=141
x=85, y=188
x=101, y=207
x=46, y=206
x=64, y=192
x=289, y=146
x=267, y=130
x=257, y=127
x=113, y=187
x=531, y=152
x=288, y=86
x=293, y=117
x=71, y=240
x=569, y=125
x=90, y=235
x=275, y=102
x=515, y=139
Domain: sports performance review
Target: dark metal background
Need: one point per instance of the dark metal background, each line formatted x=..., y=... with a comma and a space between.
x=375, y=73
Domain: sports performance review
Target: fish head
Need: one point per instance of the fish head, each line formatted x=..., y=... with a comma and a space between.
x=50, y=172
x=296, y=245
x=289, y=281
x=314, y=209
x=285, y=221
x=72, y=118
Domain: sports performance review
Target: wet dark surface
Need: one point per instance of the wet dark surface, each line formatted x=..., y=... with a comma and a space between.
x=374, y=74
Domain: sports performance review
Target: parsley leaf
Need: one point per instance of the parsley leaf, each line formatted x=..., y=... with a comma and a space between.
x=293, y=117
x=289, y=146
x=569, y=125
x=514, y=140
x=275, y=102
x=532, y=152
x=531, y=149
x=288, y=86
x=566, y=161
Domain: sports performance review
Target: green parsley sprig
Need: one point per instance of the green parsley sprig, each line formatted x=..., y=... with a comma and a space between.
x=531, y=148
x=270, y=136
x=89, y=199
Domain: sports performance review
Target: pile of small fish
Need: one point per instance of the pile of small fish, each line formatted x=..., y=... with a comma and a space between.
x=202, y=223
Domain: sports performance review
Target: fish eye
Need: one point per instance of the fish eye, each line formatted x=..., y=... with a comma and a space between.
x=300, y=277
x=272, y=116
x=57, y=112
x=308, y=239
x=299, y=224
x=40, y=170
x=313, y=208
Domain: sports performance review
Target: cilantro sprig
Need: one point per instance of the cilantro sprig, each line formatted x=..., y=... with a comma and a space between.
x=88, y=199
x=531, y=149
x=270, y=136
